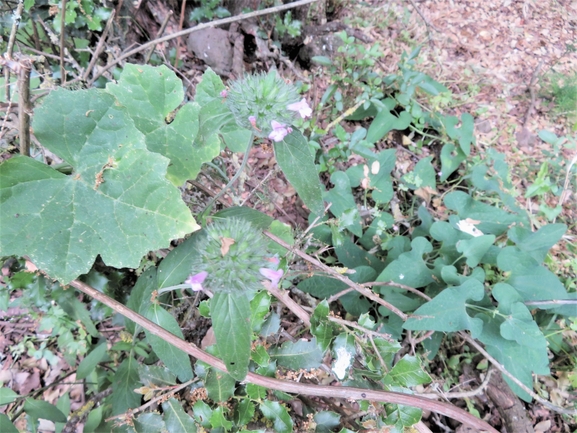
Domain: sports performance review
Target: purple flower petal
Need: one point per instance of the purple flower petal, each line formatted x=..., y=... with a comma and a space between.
x=196, y=281
x=279, y=131
x=272, y=275
x=302, y=107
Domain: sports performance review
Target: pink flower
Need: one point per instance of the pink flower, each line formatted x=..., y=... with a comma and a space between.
x=223, y=93
x=302, y=107
x=272, y=275
x=279, y=131
x=196, y=281
x=274, y=260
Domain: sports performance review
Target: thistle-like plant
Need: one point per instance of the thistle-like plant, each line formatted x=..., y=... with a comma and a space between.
x=266, y=105
x=231, y=260
x=259, y=100
x=230, y=256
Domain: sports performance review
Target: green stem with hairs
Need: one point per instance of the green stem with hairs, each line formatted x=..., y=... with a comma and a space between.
x=201, y=216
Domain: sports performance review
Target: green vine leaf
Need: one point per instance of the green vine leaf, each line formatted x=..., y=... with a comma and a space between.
x=7, y=396
x=297, y=163
x=302, y=354
x=520, y=326
x=218, y=419
x=117, y=203
x=230, y=314
x=493, y=220
x=475, y=248
x=149, y=423
x=202, y=413
x=520, y=360
x=342, y=200
x=402, y=416
x=244, y=412
x=176, y=419
x=152, y=96
x=125, y=382
x=531, y=279
x=175, y=359
x=537, y=244
x=407, y=373
x=219, y=385
x=321, y=327
x=278, y=414
x=41, y=409
x=447, y=311
x=385, y=122
x=6, y=425
x=410, y=268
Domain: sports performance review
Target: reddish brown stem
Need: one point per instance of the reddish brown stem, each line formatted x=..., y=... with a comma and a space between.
x=344, y=392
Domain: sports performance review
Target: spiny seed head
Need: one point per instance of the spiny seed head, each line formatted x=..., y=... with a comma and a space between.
x=257, y=100
x=231, y=251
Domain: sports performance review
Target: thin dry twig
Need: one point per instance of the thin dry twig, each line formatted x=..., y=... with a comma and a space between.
x=10, y=47
x=200, y=27
x=80, y=415
x=99, y=46
x=179, y=39
x=344, y=392
x=285, y=298
x=162, y=396
x=334, y=274
x=62, y=47
x=400, y=286
x=427, y=22
x=24, y=107
x=158, y=35
x=465, y=394
x=531, y=87
x=502, y=369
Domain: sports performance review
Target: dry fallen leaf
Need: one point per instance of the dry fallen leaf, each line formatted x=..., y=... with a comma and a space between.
x=225, y=244
x=426, y=193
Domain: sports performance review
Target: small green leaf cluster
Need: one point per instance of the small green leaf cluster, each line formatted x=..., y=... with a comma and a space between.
x=287, y=25
x=563, y=90
x=554, y=175
x=208, y=10
x=352, y=73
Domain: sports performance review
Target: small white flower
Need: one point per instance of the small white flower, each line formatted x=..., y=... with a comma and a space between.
x=342, y=362
x=468, y=226
x=401, y=277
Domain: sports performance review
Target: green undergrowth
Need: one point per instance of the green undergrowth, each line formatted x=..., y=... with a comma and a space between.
x=433, y=229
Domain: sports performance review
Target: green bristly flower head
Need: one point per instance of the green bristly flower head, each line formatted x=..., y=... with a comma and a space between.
x=231, y=253
x=258, y=100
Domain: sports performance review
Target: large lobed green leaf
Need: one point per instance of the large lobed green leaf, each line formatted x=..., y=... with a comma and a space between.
x=117, y=203
x=152, y=97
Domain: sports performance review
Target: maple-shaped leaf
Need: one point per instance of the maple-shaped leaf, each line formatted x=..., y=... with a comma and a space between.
x=117, y=203
x=152, y=97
